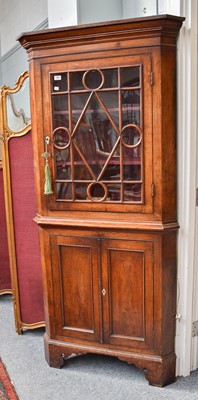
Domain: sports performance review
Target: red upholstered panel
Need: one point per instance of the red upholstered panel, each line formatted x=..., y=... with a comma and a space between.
x=5, y=281
x=26, y=230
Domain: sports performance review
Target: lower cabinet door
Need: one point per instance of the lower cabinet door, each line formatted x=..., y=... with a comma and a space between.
x=127, y=293
x=103, y=290
x=75, y=280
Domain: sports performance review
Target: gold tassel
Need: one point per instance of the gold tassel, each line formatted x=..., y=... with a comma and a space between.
x=48, y=180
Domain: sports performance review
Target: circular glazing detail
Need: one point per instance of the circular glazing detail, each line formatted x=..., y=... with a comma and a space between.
x=97, y=192
x=61, y=138
x=131, y=136
x=93, y=79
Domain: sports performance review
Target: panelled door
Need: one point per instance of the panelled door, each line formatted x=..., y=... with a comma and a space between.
x=127, y=289
x=103, y=290
x=76, y=280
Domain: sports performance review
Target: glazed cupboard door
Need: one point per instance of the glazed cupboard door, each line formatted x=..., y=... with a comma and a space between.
x=99, y=121
x=127, y=288
x=75, y=277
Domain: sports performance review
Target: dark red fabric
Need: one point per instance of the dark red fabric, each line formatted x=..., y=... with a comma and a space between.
x=26, y=230
x=5, y=280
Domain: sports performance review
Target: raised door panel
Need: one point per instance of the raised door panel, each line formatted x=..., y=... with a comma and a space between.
x=75, y=276
x=127, y=288
x=99, y=120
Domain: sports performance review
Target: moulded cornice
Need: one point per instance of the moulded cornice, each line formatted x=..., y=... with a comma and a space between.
x=155, y=26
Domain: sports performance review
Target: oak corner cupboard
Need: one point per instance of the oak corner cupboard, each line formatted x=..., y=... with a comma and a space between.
x=103, y=101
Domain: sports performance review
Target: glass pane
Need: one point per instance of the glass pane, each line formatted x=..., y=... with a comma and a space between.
x=111, y=172
x=81, y=170
x=76, y=80
x=59, y=82
x=64, y=191
x=78, y=102
x=97, y=191
x=132, y=172
x=85, y=147
x=81, y=167
x=110, y=101
x=60, y=111
x=113, y=192
x=132, y=163
x=133, y=192
x=61, y=138
x=130, y=77
x=130, y=107
x=63, y=172
x=105, y=136
x=63, y=167
x=18, y=108
x=112, y=169
x=131, y=136
x=80, y=191
x=93, y=79
x=95, y=136
x=110, y=78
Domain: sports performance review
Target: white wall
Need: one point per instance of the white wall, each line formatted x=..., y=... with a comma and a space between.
x=17, y=16
x=99, y=10
x=194, y=352
x=140, y=8
x=72, y=12
x=64, y=14
x=169, y=7
x=13, y=64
